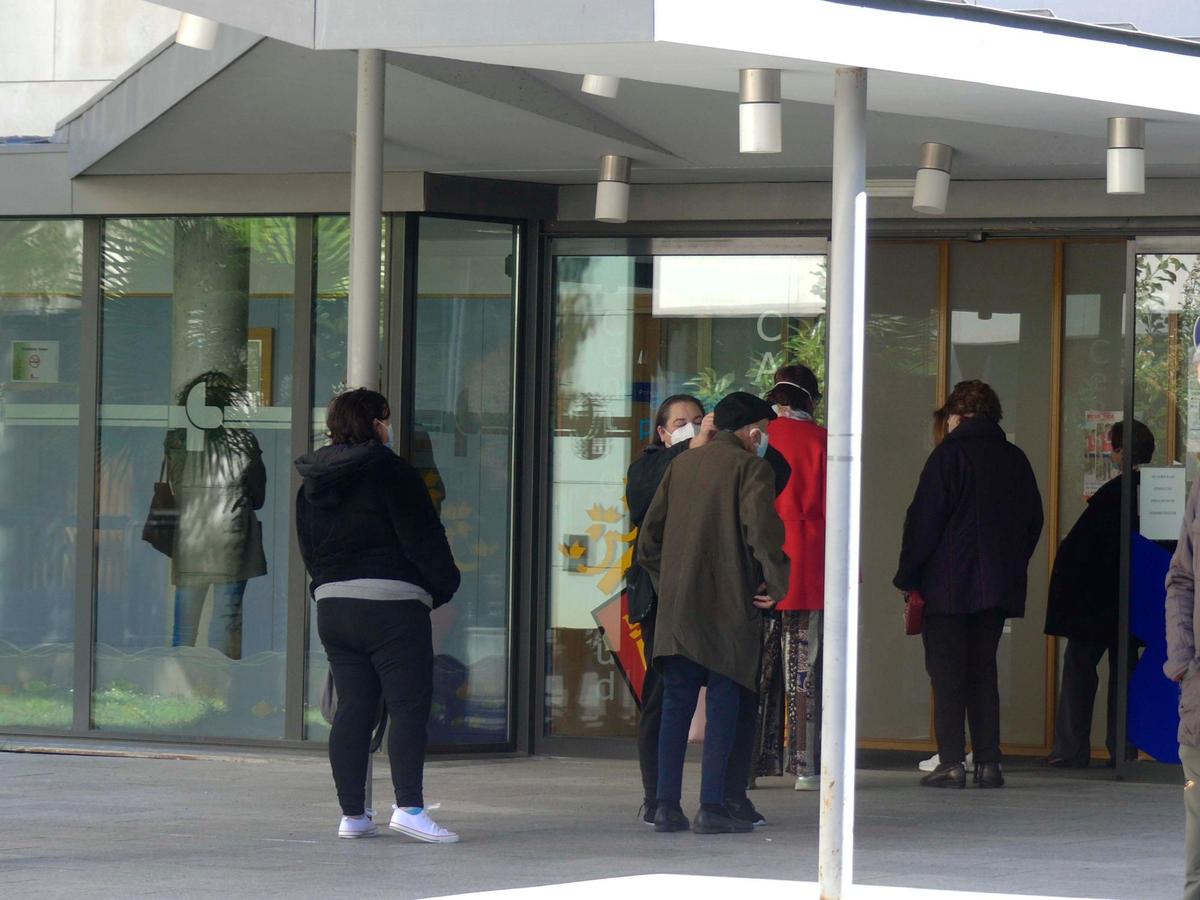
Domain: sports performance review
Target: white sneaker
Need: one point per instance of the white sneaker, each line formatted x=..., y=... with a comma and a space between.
x=358, y=826
x=421, y=827
x=808, y=782
x=928, y=765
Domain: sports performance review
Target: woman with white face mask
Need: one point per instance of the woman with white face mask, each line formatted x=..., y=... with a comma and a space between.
x=679, y=425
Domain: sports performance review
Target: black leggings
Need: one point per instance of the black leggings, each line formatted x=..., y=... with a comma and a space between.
x=378, y=647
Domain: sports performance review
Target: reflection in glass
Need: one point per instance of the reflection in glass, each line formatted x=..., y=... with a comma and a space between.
x=40, y=286
x=462, y=443
x=630, y=332
x=195, y=415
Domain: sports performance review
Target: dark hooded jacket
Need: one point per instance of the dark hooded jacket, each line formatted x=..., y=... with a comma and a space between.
x=973, y=524
x=363, y=512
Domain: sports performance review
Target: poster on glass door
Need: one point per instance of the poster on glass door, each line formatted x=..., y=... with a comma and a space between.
x=1098, y=468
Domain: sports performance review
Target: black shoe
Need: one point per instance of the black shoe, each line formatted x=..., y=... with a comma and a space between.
x=987, y=775
x=670, y=818
x=947, y=775
x=647, y=811
x=709, y=821
x=743, y=810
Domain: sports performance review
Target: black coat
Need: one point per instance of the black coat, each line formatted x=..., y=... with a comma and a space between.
x=1085, y=585
x=973, y=524
x=363, y=512
x=641, y=484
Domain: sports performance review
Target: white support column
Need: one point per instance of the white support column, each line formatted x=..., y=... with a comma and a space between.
x=844, y=383
x=366, y=214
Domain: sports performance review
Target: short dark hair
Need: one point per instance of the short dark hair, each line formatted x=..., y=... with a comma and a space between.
x=974, y=398
x=351, y=416
x=1143, y=441
x=795, y=387
x=664, y=408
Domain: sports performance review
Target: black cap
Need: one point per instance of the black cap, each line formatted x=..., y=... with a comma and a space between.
x=740, y=409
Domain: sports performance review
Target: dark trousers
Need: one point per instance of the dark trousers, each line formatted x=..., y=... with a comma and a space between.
x=378, y=648
x=960, y=657
x=741, y=754
x=650, y=723
x=682, y=680
x=1080, y=680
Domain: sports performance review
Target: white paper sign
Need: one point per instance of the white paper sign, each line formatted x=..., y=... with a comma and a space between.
x=35, y=361
x=1162, y=498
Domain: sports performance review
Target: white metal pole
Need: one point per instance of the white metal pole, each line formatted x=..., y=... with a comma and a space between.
x=366, y=213
x=847, y=315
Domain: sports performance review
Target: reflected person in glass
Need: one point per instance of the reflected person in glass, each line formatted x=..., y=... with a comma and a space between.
x=218, y=484
x=379, y=561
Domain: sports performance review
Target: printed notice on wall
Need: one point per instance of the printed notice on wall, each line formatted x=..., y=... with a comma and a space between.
x=1098, y=466
x=35, y=361
x=1162, y=496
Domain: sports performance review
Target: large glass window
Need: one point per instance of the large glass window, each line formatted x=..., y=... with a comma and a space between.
x=194, y=519
x=1001, y=297
x=461, y=440
x=632, y=330
x=330, y=311
x=40, y=286
x=900, y=392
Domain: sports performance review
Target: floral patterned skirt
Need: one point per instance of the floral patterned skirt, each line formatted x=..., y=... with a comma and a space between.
x=789, y=695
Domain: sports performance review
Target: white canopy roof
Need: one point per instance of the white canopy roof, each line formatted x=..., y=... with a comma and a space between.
x=491, y=88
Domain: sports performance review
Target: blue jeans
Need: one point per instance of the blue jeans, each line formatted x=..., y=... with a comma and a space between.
x=225, y=628
x=682, y=680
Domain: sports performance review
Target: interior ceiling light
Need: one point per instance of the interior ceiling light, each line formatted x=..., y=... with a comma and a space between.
x=932, y=187
x=1126, y=155
x=601, y=85
x=612, y=189
x=196, y=31
x=760, y=111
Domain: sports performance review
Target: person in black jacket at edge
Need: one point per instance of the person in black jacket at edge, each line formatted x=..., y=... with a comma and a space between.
x=680, y=424
x=1085, y=587
x=379, y=561
x=968, y=537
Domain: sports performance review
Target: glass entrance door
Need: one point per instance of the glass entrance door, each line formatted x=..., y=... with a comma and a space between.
x=1163, y=459
x=635, y=324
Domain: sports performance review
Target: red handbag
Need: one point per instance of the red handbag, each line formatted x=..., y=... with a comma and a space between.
x=914, y=612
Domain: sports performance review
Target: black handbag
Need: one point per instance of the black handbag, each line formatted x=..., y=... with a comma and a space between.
x=162, y=522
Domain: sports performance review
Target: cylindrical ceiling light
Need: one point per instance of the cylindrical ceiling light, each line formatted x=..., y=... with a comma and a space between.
x=1126, y=155
x=601, y=85
x=196, y=31
x=760, y=111
x=612, y=190
x=932, y=187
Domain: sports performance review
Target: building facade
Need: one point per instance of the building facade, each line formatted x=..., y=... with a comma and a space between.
x=188, y=230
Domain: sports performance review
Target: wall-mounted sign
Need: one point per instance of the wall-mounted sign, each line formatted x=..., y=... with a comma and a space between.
x=35, y=361
x=1162, y=497
x=1097, y=460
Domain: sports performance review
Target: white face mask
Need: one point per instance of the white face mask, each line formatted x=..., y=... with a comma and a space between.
x=683, y=433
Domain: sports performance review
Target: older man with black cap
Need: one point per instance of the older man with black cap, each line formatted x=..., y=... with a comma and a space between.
x=712, y=544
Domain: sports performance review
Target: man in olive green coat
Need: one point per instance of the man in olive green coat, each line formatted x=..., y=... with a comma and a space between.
x=712, y=545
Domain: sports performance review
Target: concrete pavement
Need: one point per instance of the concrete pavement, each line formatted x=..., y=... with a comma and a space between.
x=263, y=825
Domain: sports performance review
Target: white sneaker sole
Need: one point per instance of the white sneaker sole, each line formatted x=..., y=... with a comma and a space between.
x=359, y=834
x=425, y=836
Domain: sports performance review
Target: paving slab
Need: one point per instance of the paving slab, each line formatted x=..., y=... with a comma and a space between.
x=264, y=825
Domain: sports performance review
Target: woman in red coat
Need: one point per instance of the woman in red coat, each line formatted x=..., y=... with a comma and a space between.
x=789, y=693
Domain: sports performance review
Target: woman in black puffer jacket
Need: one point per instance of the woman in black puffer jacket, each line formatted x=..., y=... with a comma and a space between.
x=379, y=561
x=968, y=537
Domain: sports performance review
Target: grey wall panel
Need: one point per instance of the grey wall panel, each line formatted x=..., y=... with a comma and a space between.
x=34, y=181
x=231, y=194
x=1083, y=198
